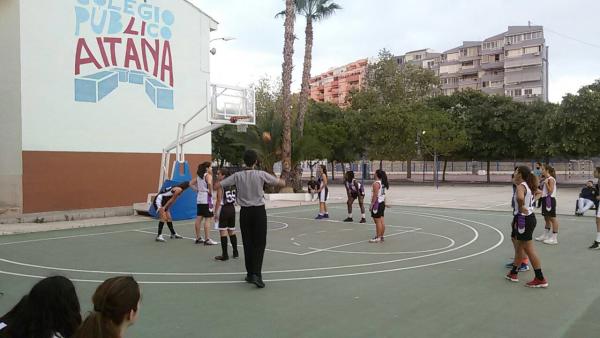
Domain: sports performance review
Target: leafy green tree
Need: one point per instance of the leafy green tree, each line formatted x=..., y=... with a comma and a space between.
x=577, y=120
x=224, y=148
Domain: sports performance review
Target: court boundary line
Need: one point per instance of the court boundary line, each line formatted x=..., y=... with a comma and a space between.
x=434, y=216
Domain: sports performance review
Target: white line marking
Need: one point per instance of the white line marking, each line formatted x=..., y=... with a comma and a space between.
x=452, y=243
x=448, y=218
x=363, y=241
x=322, y=221
x=67, y=237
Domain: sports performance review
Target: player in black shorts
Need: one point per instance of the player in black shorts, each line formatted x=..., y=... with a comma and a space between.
x=523, y=224
x=163, y=201
x=354, y=190
x=225, y=216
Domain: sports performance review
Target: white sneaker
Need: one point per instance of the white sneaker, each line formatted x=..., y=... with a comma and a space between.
x=551, y=241
x=176, y=236
x=542, y=237
x=210, y=242
x=375, y=240
x=160, y=238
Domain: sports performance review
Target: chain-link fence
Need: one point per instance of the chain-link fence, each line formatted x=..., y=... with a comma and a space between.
x=567, y=171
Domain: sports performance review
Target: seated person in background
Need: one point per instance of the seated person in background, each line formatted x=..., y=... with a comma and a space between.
x=587, y=198
x=312, y=188
x=50, y=310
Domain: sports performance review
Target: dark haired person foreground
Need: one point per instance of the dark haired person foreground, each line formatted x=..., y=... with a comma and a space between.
x=253, y=216
x=50, y=310
x=116, y=307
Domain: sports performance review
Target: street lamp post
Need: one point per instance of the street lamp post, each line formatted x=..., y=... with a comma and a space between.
x=435, y=159
x=213, y=50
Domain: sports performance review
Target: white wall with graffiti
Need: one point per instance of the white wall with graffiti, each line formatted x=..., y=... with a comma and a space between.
x=111, y=75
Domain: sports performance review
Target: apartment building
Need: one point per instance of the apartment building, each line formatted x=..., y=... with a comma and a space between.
x=425, y=58
x=513, y=63
x=335, y=84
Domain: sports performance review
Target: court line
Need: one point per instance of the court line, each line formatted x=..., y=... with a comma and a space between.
x=315, y=250
x=67, y=237
x=452, y=242
x=434, y=216
x=336, y=221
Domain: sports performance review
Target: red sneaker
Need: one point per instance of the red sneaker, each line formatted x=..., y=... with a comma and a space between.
x=512, y=277
x=538, y=283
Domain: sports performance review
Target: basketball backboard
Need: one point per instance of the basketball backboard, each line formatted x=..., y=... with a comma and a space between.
x=230, y=101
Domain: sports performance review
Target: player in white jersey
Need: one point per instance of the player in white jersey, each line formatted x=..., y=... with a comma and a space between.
x=377, y=207
x=596, y=244
x=225, y=215
x=322, y=192
x=204, y=203
x=523, y=224
x=163, y=202
x=354, y=190
x=550, y=235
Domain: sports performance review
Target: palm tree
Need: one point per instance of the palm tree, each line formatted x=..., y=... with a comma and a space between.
x=312, y=10
x=288, y=52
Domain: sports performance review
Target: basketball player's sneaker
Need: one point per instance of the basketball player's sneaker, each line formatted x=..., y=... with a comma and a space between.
x=363, y=220
x=209, y=241
x=552, y=240
x=348, y=219
x=176, y=236
x=375, y=240
x=512, y=277
x=199, y=240
x=595, y=245
x=544, y=236
x=538, y=283
x=160, y=238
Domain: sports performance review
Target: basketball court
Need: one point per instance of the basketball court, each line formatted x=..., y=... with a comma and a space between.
x=440, y=272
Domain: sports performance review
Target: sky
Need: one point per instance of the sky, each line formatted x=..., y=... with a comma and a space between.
x=362, y=28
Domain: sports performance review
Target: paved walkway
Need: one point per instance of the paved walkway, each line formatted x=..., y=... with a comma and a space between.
x=474, y=197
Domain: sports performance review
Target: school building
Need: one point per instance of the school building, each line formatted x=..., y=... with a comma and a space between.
x=92, y=91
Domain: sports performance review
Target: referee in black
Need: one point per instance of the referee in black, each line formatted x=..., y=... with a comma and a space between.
x=253, y=216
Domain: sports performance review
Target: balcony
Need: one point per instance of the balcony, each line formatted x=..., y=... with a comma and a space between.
x=523, y=61
x=493, y=90
x=492, y=65
x=469, y=70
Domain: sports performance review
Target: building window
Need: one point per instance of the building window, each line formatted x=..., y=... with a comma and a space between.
x=528, y=91
x=497, y=57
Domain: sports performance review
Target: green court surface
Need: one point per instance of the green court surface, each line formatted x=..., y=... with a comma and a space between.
x=439, y=273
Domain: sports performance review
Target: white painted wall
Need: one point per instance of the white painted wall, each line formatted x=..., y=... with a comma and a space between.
x=11, y=168
x=125, y=120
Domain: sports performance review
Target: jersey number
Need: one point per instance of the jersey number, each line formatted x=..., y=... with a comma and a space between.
x=230, y=196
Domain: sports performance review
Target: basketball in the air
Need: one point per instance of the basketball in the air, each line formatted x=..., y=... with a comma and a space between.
x=266, y=136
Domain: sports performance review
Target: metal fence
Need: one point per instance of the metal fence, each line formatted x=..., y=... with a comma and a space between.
x=571, y=171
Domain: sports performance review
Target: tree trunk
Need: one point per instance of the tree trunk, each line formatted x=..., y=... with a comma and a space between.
x=305, y=87
x=409, y=168
x=488, y=171
x=380, y=164
x=286, y=76
x=332, y=171
x=296, y=179
x=444, y=172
